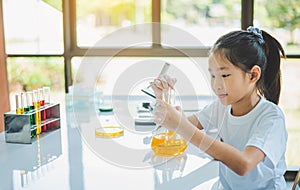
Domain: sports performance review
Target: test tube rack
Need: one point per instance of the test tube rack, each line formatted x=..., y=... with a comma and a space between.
x=18, y=127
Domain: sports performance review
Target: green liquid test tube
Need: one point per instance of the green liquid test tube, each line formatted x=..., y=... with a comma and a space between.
x=30, y=108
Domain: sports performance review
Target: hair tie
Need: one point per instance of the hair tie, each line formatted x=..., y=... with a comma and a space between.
x=257, y=32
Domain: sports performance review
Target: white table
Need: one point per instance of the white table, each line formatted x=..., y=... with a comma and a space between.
x=69, y=159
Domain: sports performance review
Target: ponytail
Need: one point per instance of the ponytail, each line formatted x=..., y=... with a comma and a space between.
x=271, y=77
x=246, y=49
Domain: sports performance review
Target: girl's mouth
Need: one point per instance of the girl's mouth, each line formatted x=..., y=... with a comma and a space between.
x=222, y=96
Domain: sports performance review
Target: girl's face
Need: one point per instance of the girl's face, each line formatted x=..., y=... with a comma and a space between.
x=229, y=83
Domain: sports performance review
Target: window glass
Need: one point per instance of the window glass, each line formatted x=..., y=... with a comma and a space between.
x=206, y=20
x=29, y=73
x=33, y=27
x=290, y=102
x=97, y=20
x=281, y=19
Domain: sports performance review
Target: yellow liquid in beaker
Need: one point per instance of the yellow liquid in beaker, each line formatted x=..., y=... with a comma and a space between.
x=165, y=144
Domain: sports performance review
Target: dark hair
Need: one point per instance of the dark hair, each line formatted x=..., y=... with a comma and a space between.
x=246, y=49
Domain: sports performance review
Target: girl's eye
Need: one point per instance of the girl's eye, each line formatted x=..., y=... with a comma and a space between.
x=212, y=76
x=226, y=75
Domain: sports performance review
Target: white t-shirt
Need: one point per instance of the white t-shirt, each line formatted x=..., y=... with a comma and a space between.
x=264, y=128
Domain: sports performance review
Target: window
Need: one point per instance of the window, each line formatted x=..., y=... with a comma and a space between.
x=290, y=103
x=29, y=73
x=34, y=30
x=33, y=27
x=206, y=20
x=281, y=19
x=97, y=20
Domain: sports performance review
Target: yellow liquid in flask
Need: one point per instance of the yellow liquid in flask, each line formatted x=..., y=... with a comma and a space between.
x=166, y=144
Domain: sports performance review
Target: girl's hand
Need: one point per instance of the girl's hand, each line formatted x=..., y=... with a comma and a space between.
x=161, y=83
x=168, y=116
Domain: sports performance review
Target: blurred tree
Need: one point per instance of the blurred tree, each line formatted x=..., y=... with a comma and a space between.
x=189, y=10
x=122, y=11
x=111, y=12
x=31, y=73
x=233, y=8
x=284, y=14
x=193, y=11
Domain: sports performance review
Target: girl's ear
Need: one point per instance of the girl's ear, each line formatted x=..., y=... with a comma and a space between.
x=255, y=73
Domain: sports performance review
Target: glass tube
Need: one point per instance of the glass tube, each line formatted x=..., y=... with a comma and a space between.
x=46, y=90
x=25, y=103
x=35, y=99
x=41, y=97
x=29, y=101
x=42, y=104
x=19, y=107
x=36, y=104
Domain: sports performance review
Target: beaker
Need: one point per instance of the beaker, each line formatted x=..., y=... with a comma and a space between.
x=164, y=142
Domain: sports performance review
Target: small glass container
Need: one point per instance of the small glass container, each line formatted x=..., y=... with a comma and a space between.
x=30, y=108
x=29, y=100
x=46, y=93
x=19, y=104
x=35, y=98
x=167, y=143
x=109, y=127
x=109, y=131
x=41, y=97
x=36, y=104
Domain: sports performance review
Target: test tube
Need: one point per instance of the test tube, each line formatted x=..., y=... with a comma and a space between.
x=41, y=97
x=42, y=104
x=26, y=105
x=29, y=100
x=23, y=101
x=19, y=106
x=36, y=104
x=35, y=99
x=46, y=91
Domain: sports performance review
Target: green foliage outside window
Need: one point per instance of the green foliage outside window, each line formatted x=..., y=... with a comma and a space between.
x=31, y=73
x=112, y=12
x=279, y=14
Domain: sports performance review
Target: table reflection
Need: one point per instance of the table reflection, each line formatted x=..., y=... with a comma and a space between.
x=24, y=164
x=167, y=169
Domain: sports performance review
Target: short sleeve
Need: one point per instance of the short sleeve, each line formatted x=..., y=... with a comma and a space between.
x=270, y=136
x=210, y=116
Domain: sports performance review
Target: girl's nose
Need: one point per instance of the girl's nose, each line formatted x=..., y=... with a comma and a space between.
x=218, y=84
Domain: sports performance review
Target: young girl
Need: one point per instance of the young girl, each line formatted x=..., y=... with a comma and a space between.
x=245, y=76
